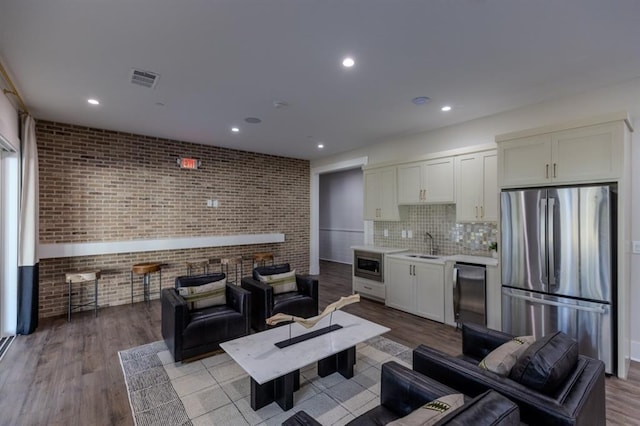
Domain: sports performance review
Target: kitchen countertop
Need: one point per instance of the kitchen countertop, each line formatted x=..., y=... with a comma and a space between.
x=379, y=249
x=480, y=260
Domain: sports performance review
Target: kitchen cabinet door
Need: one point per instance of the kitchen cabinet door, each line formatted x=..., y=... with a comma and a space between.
x=524, y=161
x=409, y=183
x=587, y=154
x=400, y=285
x=469, y=191
x=477, y=187
x=372, y=183
x=438, y=181
x=429, y=300
x=380, y=202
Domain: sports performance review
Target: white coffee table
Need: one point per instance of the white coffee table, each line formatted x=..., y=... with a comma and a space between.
x=275, y=372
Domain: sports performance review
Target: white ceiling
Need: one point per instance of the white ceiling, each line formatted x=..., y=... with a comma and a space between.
x=223, y=60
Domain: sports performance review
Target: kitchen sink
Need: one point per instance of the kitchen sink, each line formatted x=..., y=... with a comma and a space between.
x=423, y=256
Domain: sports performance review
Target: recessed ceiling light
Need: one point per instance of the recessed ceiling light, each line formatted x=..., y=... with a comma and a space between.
x=446, y=108
x=420, y=100
x=348, y=62
x=93, y=101
x=235, y=129
x=320, y=146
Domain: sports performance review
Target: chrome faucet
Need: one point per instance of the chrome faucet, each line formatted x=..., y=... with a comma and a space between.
x=431, y=248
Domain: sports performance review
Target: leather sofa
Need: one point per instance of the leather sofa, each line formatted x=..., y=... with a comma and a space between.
x=264, y=303
x=403, y=390
x=190, y=333
x=577, y=400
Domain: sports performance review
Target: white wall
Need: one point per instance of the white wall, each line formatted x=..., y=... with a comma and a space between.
x=619, y=97
x=341, y=223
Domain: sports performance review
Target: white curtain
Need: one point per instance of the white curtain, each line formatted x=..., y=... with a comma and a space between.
x=28, y=267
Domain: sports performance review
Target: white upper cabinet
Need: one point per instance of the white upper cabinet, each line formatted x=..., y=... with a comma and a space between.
x=380, y=201
x=477, y=187
x=426, y=182
x=584, y=154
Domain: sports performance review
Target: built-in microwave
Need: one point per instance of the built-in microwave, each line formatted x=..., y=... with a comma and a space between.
x=368, y=265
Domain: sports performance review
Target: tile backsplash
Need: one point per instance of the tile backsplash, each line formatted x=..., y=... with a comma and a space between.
x=439, y=220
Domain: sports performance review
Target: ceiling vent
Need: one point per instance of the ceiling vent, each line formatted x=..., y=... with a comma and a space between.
x=144, y=78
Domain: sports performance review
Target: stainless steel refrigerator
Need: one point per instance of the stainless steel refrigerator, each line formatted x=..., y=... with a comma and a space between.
x=559, y=265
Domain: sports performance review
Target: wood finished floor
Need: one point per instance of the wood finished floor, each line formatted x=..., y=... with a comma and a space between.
x=69, y=373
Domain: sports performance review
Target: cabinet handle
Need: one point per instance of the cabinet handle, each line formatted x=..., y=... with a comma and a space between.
x=368, y=288
x=547, y=172
x=481, y=211
x=410, y=270
x=476, y=212
x=554, y=170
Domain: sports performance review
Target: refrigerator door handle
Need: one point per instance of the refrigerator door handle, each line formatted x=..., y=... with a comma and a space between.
x=599, y=309
x=456, y=295
x=543, y=239
x=551, y=272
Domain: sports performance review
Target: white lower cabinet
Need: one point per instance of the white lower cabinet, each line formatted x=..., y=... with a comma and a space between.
x=368, y=288
x=415, y=287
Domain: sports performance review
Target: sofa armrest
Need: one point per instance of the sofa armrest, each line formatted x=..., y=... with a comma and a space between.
x=402, y=390
x=261, y=302
x=582, y=394
x=478, y=341
x=174, y=320
x=307, y=285
x=239, y=300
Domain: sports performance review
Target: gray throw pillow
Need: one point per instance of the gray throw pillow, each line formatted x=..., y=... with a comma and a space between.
x=431, y=412
x=205, y=295
x=502, y=359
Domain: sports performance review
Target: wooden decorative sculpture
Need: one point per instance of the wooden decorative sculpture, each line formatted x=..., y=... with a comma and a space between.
x=310, y=322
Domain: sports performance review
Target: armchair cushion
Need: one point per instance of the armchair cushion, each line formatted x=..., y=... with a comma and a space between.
x=204, y=294
x=502, y=359
x=547, y=363
x=281, y=283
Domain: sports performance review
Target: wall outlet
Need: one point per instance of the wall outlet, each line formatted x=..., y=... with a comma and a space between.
x=404, y=234
x=636, y=247
x=385, y=233
x=215, y=204
x=409, y=233
x=209, y=203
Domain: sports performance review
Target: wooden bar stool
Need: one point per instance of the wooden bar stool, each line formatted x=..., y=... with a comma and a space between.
x=215, y=262
x=83, y=276
x=146, y=269
x=235, y=261
x=195, y=264
x=260, y=259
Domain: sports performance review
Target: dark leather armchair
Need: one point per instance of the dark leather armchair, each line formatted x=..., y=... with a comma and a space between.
x=189, y=333
x=403, y=390
x=264, y=304
x=578, y=400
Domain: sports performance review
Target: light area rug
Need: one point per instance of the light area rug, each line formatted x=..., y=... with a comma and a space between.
x=216, y=390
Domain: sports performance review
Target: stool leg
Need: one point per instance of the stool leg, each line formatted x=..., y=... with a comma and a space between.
x=145, y=287
x=160, y=290
x=69, y=307
x=95, y=298
x=131, y=275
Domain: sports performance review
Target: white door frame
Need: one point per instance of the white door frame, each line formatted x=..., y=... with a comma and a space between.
x=314, y=235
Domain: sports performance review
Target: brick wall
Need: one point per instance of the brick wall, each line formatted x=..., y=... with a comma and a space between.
x=99, y=185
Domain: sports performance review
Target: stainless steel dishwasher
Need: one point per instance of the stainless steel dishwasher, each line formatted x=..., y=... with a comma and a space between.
x=469, y=293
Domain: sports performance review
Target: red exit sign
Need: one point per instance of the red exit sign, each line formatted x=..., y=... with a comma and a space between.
x=188, y=163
